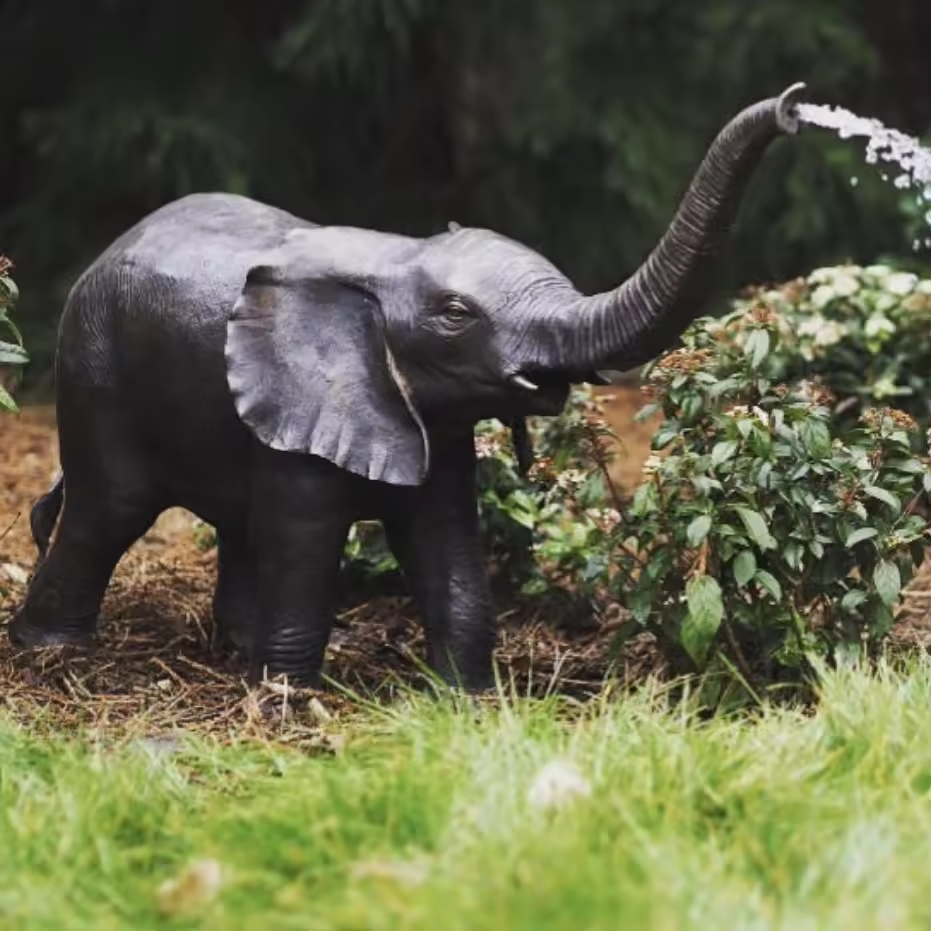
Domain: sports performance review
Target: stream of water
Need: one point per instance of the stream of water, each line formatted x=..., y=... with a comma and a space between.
x=911, y=160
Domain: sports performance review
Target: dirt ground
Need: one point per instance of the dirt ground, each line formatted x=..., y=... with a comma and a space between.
x=154, y=669
x=154, y=664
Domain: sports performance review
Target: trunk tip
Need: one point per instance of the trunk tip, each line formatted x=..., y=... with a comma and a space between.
x=787, y=107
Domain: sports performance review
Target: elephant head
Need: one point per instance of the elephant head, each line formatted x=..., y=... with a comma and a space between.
x=354, y=345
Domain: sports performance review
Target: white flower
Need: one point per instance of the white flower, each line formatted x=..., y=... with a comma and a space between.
x=824, y=332
x=830, y=273
x=557, y=785
x=652, y=464
x=834, y=282
x=901, y=283
x=605, y=518
x=821, y=331
x=487, y=447
x=570, y=478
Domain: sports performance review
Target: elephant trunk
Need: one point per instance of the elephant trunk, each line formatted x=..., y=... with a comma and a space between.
x=632, y=324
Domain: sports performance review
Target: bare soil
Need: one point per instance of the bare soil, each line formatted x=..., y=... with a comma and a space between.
x=154, y=669
x=154, y=665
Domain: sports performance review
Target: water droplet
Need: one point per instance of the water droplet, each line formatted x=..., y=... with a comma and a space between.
x=882, y=144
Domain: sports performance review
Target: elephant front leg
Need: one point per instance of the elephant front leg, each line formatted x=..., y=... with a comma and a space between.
x=300, y=515
x=435, y=535
x=236, y=597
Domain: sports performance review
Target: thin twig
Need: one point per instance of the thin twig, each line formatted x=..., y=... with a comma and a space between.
x=739, y=657
x=12, y=524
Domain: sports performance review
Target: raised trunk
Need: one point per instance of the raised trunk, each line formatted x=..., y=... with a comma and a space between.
x=626, y=327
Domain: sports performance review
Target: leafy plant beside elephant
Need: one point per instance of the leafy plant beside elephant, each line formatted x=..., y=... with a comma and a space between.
x=283, y=380
x=12, y=354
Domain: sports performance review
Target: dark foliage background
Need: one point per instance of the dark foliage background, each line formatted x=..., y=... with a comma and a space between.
x=572, y=126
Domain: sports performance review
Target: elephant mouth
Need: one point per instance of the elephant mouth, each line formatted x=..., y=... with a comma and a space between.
x=543, y=393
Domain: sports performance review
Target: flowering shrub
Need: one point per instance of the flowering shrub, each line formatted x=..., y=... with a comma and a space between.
x=547, y=530
x=863, y=332
x=11, y=353
x=764, y=534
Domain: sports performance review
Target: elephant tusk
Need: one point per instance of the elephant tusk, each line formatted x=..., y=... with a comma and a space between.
x=520, y=382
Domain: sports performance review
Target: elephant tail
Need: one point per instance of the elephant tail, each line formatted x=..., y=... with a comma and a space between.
x=44, y=515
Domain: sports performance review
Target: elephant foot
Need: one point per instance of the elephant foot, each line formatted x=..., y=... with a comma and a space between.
x=477, y=686
x=230, y=638
x=469, y=671
x=300, y=677
x=303, y=669
x=80, y=632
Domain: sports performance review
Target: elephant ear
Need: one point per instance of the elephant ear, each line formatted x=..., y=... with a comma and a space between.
x=310, y=371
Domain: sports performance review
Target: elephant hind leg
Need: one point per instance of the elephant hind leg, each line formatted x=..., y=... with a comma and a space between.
x=110, y=500
x=64, y=596
x=44, y=515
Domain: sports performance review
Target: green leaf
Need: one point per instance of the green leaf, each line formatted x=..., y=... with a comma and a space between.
x=858, y=536
x=880, y=494
x=665, y=435
x=6, y=401
x=698, y=529
x=756, y=528
x=723, y=451
x=595, y=566
x=660, y=563
x=535, y=586
x=816, y=438
x=692, y=407
x=640, y=604
x=888, y=581
x=705, y=613
x=792, y=554
x=910, y=466
x=11, y=354
x=769, y=582
x=763, y=476
x=11, y=292
x=645, y=501
x=744, y=567
x=757, y=347
x=853, y=599
x=647, y=411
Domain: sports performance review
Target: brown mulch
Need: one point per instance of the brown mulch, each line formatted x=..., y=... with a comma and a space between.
x=153, y=672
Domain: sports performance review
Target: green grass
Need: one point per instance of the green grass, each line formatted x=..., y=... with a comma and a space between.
x=423, y=821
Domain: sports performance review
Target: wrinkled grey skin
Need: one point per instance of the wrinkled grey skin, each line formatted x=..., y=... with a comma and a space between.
x=282, y=380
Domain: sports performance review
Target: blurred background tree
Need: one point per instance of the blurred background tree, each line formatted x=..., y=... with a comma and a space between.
x=572, y=126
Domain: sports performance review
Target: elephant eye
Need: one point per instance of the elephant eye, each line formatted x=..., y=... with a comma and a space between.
x=456, y=314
